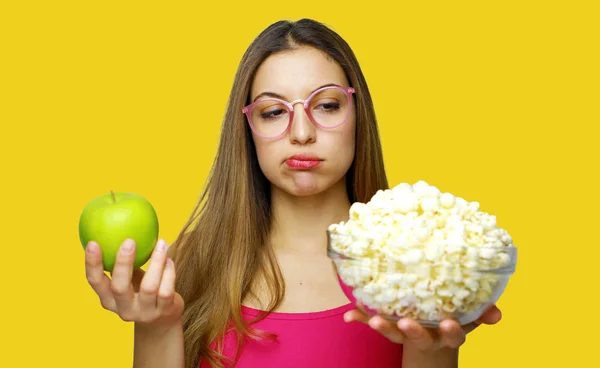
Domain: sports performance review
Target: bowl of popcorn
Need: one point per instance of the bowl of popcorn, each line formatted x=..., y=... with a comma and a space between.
x=413, y=251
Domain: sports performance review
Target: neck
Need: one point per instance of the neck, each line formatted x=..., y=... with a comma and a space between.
x=300, y=223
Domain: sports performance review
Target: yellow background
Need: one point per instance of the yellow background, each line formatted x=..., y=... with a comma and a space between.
x=494, y=101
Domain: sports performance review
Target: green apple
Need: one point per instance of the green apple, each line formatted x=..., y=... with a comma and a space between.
x=111, y=218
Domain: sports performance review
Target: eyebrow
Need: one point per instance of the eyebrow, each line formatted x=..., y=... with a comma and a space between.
x=277, y=95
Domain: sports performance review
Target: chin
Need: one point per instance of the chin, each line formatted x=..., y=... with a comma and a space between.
x=306, y=185
x=304, y=191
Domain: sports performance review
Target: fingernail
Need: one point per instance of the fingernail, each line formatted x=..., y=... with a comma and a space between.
x=170, y=262
x=404, y=325
x=128, y=246
x=373, y=323
x=91, y=247
x=161, y=246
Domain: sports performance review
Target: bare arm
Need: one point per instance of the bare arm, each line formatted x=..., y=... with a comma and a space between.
x=146, y=298
x=158, y=348
x=442, y=358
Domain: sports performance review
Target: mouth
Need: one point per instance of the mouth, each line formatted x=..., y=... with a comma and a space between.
x=303, y=162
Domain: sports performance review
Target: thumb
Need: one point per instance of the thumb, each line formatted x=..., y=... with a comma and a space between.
x=491, y=316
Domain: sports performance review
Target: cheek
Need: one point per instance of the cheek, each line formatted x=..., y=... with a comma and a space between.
x=266, y=153
x=346, y=143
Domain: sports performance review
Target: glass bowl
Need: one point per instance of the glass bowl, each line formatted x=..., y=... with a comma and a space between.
x=426, y=283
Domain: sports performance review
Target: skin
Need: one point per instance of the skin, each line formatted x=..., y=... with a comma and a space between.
x=304, y=199
x=315, y=198
x=304, y=204
x=146, y=298
x=293, y=76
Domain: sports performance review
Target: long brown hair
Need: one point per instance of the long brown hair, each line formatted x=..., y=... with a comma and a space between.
x=224, y=244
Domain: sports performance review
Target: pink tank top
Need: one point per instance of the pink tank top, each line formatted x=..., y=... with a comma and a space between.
x=316, y=340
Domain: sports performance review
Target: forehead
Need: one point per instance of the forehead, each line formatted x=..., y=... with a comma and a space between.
x=295, y=74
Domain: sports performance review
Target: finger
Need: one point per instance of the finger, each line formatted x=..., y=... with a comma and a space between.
x=98, y=280
x=416, y=334
x=166, y=291
x=356, y=315
x=151, y=282
x=136, y=278
x=452, y=334
x=470, y=327
x=387, y=329
x=491, y=316
x=121, y=285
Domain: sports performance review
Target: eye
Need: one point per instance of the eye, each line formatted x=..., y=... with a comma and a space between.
x=270, y=110
x=272, y=113
x=329, y=106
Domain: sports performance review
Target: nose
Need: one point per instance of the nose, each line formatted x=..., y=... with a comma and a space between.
x=302, y=131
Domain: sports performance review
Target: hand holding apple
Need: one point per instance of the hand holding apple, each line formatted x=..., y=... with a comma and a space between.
x=146, y=298
x=112, y=218
x=119, y=232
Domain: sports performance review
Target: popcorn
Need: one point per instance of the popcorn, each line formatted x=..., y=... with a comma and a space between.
x=420, y=253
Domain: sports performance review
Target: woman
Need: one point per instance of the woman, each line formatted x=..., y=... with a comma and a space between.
x=299, y=145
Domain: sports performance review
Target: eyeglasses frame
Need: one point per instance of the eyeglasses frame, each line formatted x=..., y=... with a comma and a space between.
x=247, y=110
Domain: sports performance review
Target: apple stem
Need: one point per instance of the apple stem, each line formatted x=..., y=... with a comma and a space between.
x=113, y=196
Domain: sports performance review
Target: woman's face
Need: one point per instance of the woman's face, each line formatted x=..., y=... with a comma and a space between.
x=295, y=75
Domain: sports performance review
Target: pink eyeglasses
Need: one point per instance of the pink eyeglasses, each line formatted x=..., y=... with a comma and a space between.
x=327, y=107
